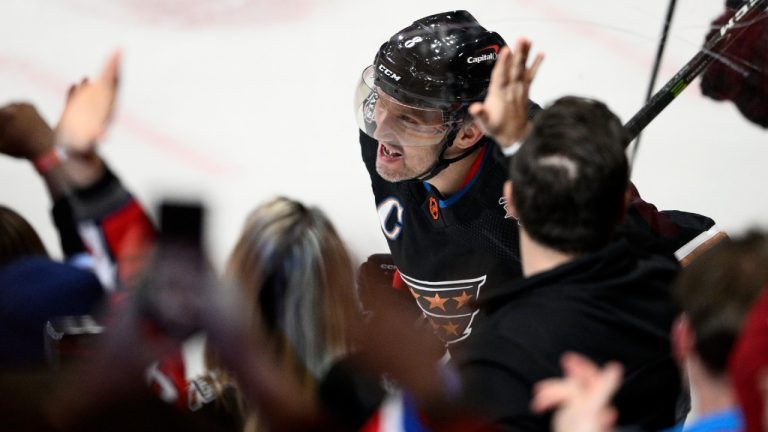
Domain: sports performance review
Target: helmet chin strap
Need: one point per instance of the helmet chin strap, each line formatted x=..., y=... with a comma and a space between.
x=443, y=163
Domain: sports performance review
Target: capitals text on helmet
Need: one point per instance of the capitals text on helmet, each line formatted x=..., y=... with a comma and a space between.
x=482, y=58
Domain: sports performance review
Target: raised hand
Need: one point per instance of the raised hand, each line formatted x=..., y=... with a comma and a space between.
x=23, y=133
x=582, y=397
x=88, y=111
x=503, y=114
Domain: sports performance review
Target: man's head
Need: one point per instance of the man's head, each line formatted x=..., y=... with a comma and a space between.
x=414, y=97
x=715, y=292
x=569, y=179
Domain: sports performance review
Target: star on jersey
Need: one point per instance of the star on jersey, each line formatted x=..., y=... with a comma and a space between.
x=447, y=304
x=451, y=329
x=462, y=300
x=436, y=301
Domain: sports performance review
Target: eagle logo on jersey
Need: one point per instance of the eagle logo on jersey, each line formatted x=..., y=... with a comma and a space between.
x=447, y=305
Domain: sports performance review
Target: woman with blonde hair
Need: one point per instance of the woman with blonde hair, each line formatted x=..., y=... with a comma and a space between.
x=297, y=281
x=297, y=275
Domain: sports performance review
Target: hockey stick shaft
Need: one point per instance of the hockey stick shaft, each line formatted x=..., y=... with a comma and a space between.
x=660, y=49
x=714, y=46
x=656, y=67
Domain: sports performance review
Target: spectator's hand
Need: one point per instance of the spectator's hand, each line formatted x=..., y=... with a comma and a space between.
x=581, y=398
x=504, y=113
x=88, y=111
x=23, y=133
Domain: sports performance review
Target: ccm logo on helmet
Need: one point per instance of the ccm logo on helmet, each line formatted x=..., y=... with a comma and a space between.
x=487, y=56
x=389, y=73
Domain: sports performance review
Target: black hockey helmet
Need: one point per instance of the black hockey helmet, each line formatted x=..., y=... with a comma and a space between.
x=442, y=61
x=424, y=78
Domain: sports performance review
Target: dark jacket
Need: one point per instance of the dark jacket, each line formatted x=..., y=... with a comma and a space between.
x=610, y=305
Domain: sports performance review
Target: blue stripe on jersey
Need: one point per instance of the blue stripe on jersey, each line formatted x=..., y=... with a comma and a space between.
x=455, y=197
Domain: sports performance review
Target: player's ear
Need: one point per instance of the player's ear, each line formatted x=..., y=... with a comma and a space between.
x=682, y=339
x=468, y=135
x=509, y=199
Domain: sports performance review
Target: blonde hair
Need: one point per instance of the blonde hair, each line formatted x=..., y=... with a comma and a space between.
x=297, y=277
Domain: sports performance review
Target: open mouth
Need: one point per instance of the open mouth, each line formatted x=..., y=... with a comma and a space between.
x=389, y=152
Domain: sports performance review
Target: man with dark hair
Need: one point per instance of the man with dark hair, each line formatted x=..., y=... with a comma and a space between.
x=570, y=181
x=583, y=291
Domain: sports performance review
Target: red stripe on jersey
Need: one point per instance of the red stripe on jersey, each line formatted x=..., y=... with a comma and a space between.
x=129, y=234
x=397, y=281
x=475, y=166
x=173, y=369
x=373, y=424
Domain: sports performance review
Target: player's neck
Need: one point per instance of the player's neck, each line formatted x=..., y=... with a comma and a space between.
x=710, y=393
x=538, y=258
x=452, y=178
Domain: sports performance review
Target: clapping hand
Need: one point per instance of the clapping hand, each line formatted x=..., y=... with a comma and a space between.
x=582, y=397
x=503, y=114
x=88, y=111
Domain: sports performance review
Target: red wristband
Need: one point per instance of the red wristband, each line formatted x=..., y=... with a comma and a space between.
x=47, y=161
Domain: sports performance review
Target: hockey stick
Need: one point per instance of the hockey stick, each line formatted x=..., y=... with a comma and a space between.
x=712, y=48
x=656, y=66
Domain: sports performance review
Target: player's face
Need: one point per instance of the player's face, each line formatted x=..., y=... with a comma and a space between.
x=396, y=163
x=409, y=139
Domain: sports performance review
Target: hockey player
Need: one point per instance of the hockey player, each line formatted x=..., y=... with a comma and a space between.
x=436, y=182
x=437, y=179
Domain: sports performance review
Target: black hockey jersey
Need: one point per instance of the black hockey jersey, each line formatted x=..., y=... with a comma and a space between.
x=448, y=251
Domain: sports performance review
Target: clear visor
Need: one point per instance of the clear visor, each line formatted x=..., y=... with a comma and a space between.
x=383, y=117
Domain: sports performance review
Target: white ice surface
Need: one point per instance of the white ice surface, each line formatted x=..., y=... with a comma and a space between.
x=238, y=101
